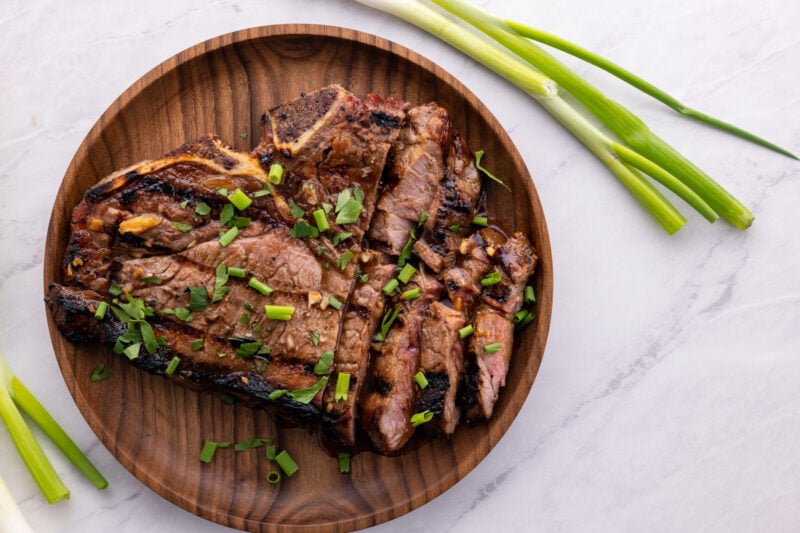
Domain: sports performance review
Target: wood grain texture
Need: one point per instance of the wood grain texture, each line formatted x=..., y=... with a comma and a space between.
x=156, y=429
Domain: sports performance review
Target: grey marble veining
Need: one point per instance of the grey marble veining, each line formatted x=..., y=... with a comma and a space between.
x=669, y=395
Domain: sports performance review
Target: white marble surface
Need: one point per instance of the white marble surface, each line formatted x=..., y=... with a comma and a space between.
x=669, y=396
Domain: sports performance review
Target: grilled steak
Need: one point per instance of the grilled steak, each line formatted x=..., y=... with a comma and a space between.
x=264, y=275
x=494, y=327
x=417, y=166
x=387, y=407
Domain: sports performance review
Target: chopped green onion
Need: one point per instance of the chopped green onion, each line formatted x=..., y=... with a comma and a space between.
x=275, y=173
x=345, y=258
x=198, y=344
x=274, y=477
x=237, y=272
x=210, y=448
x=274, y=395
x=522, y=319
x=323, y=366
x=358, y=194
x=480, y=221
x=336, y=304
x=202, y=209
x=173, y=365
x=344, y=462
x=279, y=312
x=478, y=157
x=411, y=294
x=132, y=351
x=421, y=418
x=339, y=237
x=390, y=286
x=530, y=296
x=301, y=229
x=492, y=278
x=321, y=220
x=271, y=452
x=240, y=199
x=466, y=331
x=492, y=348
x=183, y=228
x=198, y=298
x=315, y=339
x=342, y=387
x=155, y=280
x=454, y=228
x=114, y=289
x=100, y=313
x=260, y=286
x=100, y=373
x=422, y=381
x=386, y=323
x=229, y=236
x=286, y=463
x=406, y=273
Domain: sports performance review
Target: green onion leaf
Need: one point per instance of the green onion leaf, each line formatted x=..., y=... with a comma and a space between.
x=275, y=173
x=478, y=157
x=249, y=444
x=114, y=289
x=248, y=349
x=155, y=280
x=423, y=216
x=466, y=331
x=226, y=215
x=202, y=209
x=307, y=394
x=240, y=199
x=100, y=373
x=454, y=228
x=132, y=351
x=100, y=313
x=342, y=199
x=301, y=229
x=422, y=381
x=220, y=281
x=315, y=339
x=198, y=298
x=198, y=344
x=222, y=191
x=286, y=463
x=297, y=211
x=260, y=286
x=421, y=418
x=386, y=323
x=183, y=228
x=327, y=207
x=349, y=213
x=274, y=395
x=323, y=366
x=184, y=203
x=345, y=258
x=344, y=463
x=339, y=237
x=342, y=387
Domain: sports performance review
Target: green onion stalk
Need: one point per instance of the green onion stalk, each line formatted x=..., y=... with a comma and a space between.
x=15, y=396
x=541, y=76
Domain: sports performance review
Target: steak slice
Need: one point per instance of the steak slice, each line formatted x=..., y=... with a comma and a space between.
x=364, y=311
x=493, y=326
x=330, y=141
x=441, y=362
x=452, y=209
x=417, y=167
x=388, y=404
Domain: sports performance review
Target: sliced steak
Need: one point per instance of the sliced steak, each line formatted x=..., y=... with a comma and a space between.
x=364, y=311
x=515, y=261
x=417, y=166
x=452, y=209
x=441, y=362
x=330, y=141
x=388, y=404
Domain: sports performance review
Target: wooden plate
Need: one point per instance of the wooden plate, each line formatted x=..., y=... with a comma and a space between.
x=156, y=429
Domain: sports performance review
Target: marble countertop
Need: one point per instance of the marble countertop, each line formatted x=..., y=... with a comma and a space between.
x=669, y=395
